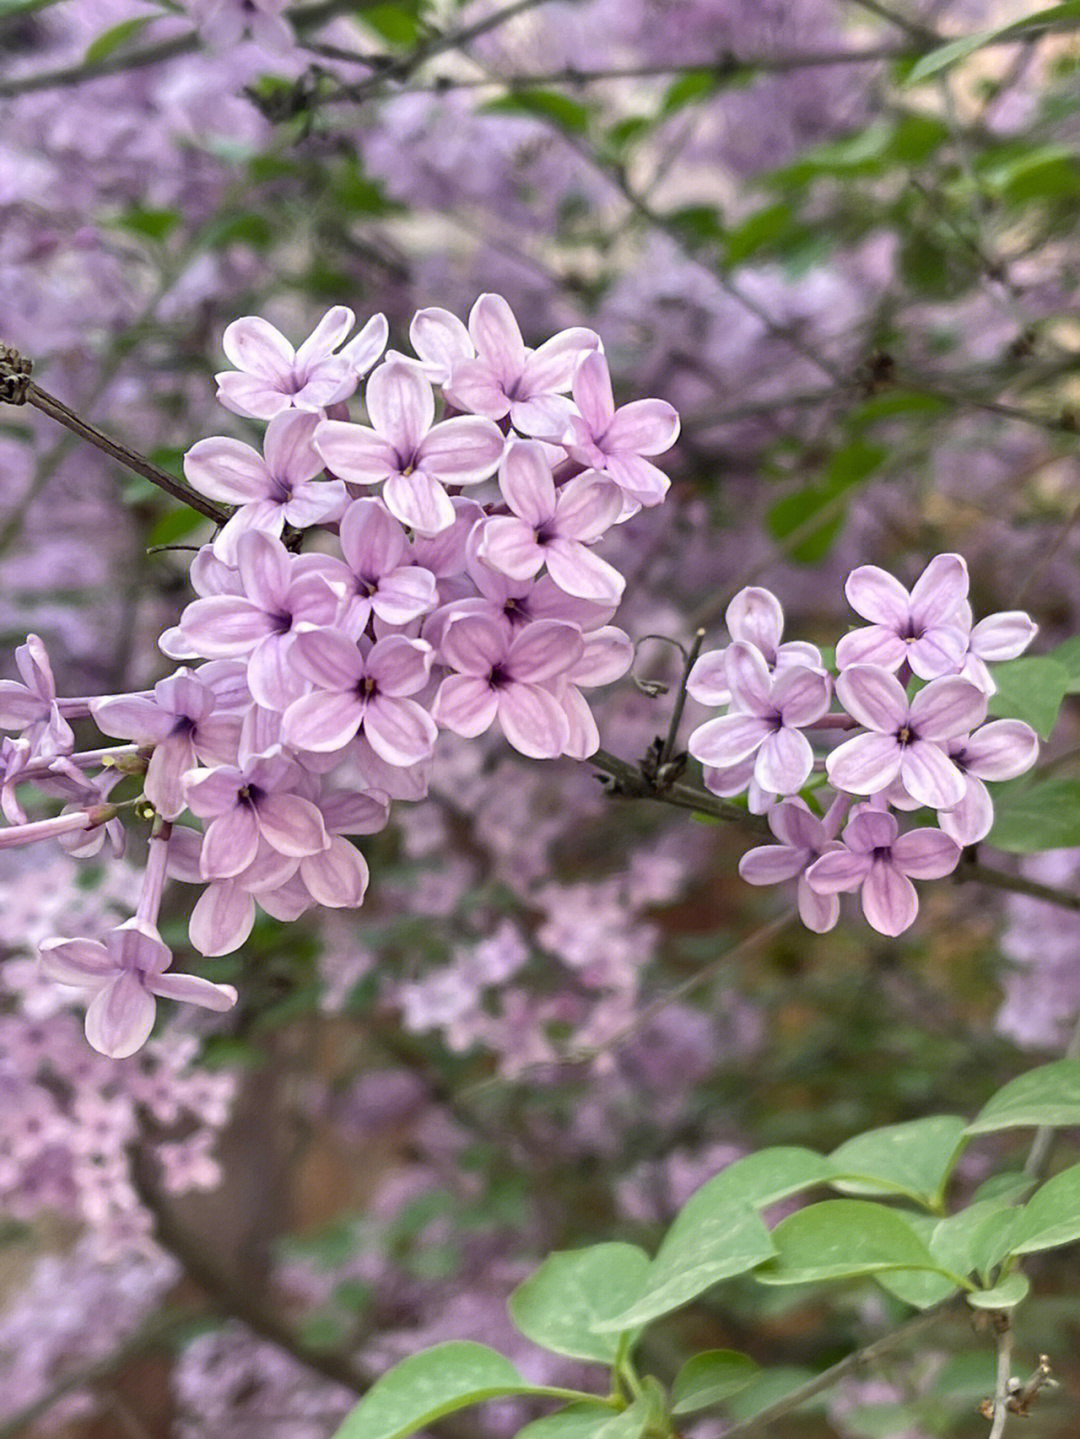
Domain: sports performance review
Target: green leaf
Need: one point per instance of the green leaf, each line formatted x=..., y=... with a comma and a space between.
x=559, y=1306
x=976, y=1239
x=946, y=55
x=1030, y=689
x=776, y=228
x=589, y=1421
x=703, y=1246
x=717, y=1233
x=1048, y=1095
x=841, y=1239
x=688, y=89
x=1005, y=1295
x=697, y=224
x=711, y=1377
x=913, y=1159
x=1068, y=654
x=174, y=525
x=1035, y=815
x=427, y=1386
x=1051, y=1216
x=115, y=38
x=817, y=511
x=551, y=105
x=919, y=1287
x=151, y=224
x=396, y=24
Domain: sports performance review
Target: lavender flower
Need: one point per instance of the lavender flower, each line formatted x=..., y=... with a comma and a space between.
x=767, y=720
x=906, y=738
x=876, y=859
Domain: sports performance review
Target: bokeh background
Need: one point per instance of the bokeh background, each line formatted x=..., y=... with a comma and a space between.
x=558, y=1011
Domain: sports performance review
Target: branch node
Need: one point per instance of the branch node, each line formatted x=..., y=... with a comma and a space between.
x=15, y=372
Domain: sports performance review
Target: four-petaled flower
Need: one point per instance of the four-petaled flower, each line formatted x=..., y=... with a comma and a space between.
x=406, y=452
x=128, y=973
x=271, y=376
x=769, y=714
x=503, y=673
x=906, y=738
x=600, y=437
x=553, y=527
x=924, y=628
x=803, y=839
x=506, y=378
x=366, y=686
x=876, y=858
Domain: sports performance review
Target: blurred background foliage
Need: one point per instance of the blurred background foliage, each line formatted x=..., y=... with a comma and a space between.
x=852, y=266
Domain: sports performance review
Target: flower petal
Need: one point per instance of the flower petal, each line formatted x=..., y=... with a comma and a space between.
x=946, y=708
x=889, y=901
x=874, y=697
x=864, y=765
x=1001, y=750
x=929, y=776
x=338, y=877
x=878, y=596
x=120, y=1017
x=533, y=721
x=939, y=591
x=926, y=854
x=222, y=918
x=399, y=730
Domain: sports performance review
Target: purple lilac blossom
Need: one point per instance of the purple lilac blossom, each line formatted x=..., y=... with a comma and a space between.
x=876, y=859
x=924, y=628
x=905, y=739
x=767, y=719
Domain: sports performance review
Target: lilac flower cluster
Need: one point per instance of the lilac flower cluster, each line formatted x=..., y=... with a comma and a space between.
x=355, y=603
x=914, y=684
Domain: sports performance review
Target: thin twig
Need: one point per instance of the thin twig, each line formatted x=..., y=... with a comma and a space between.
x=855, y=1363
x=722, y=67
x=680, y=699
x=1004, y=1374
x=40, y=399
x=304, y=18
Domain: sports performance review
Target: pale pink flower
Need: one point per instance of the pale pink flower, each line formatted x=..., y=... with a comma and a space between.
x=552, y=527
x=406, y=452
x=506, y=378
x=600, y=437
x=906, y=738
x=183, y=724
x=803, y=839
x=127, y=973
x=503, y=674
x=273, y=489
x=754, y=617
x=366, y=686
x=769, y=714
x=271, y=376
x=997, y=751
x=925, y=628
x=877, y=859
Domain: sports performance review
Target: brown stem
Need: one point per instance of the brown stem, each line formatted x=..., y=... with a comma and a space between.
x=632, y=782
x=853, y=1364
x=17, y=388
